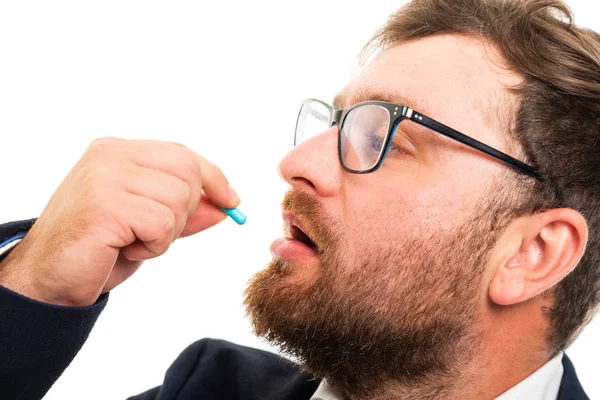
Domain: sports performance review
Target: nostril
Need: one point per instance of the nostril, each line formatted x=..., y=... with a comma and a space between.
x=304, y=181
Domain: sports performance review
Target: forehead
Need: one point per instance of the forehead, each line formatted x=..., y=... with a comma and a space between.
x=455, y=79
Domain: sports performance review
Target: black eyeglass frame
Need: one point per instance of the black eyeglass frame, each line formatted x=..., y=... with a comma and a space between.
x=398, y=113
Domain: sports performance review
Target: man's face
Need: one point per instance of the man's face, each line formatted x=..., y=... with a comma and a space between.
x=399, y=287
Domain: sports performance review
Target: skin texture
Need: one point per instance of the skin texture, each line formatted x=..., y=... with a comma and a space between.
x=427, y=286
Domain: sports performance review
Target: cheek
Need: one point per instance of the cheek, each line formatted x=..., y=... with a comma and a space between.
x=379, y=222
x=445, y=198
x=394, y=215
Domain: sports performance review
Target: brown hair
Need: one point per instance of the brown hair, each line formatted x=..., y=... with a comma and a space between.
x=557, y=121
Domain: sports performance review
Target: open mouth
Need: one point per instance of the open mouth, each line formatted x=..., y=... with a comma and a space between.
x=299, y=235
x=297, y=245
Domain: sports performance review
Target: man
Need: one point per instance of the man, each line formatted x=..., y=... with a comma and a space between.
x=442, y=226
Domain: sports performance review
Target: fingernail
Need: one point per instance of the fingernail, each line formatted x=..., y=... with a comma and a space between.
x=233, y=194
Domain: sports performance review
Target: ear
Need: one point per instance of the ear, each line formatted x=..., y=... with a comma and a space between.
x=534, y=253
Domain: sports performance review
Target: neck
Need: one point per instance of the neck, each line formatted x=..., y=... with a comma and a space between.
x=509, y=350
x=486, y=378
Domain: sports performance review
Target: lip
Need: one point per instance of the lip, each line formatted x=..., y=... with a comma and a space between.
x=291, y=250
x=290, y=219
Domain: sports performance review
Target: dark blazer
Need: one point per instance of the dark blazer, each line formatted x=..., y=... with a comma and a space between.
x=38, y=341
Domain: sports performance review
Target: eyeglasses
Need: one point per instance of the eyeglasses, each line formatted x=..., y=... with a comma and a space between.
x=367, y=129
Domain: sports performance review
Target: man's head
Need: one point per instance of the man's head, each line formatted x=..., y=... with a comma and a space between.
x=441, y=251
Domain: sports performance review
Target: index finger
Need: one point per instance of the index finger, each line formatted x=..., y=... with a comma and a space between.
x=178, y=160
x=215, y=185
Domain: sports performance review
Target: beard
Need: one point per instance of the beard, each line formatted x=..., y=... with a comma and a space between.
x=405, y=317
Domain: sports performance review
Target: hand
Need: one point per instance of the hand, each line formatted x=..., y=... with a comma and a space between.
x=125, y=201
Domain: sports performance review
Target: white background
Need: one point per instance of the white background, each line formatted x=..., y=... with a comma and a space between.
x=223, y=78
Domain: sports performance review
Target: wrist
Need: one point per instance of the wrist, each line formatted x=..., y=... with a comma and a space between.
x=21, y=279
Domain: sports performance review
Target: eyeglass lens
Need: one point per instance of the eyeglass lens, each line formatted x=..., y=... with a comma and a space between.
x=314, y=118
x=362, y=135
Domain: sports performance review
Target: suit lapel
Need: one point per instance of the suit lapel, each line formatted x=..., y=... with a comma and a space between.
x=570, y=388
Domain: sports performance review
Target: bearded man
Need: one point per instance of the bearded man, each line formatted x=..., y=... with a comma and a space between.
x=442, y=226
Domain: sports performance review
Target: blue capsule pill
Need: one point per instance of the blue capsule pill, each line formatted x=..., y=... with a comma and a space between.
x=235, y=215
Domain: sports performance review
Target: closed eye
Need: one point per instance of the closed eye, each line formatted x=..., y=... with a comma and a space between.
x=395, y=148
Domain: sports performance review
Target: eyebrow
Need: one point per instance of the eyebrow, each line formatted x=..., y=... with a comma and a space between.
x=344, y=100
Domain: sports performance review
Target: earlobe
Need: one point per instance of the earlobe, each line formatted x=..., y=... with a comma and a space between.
x=535, y=253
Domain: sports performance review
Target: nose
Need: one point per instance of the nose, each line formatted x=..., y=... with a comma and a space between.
x=313, y=165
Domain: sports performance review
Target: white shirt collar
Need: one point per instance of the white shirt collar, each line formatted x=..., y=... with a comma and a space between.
x=543, y=384
x=325, y=392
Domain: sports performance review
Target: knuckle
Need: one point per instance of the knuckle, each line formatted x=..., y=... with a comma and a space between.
x=98, y=145
x=161, y=248
x=179, y=144
x=184, y=193
x=155, y=249
x=167, y=225
x=195, y=164
x=103, y=141
x=192, y=165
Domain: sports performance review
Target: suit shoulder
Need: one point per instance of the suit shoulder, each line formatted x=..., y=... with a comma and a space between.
x=218, y=367
x=225, y=351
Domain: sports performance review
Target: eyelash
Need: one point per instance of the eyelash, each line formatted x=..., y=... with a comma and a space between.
x=393, y=147
x=397, y=148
